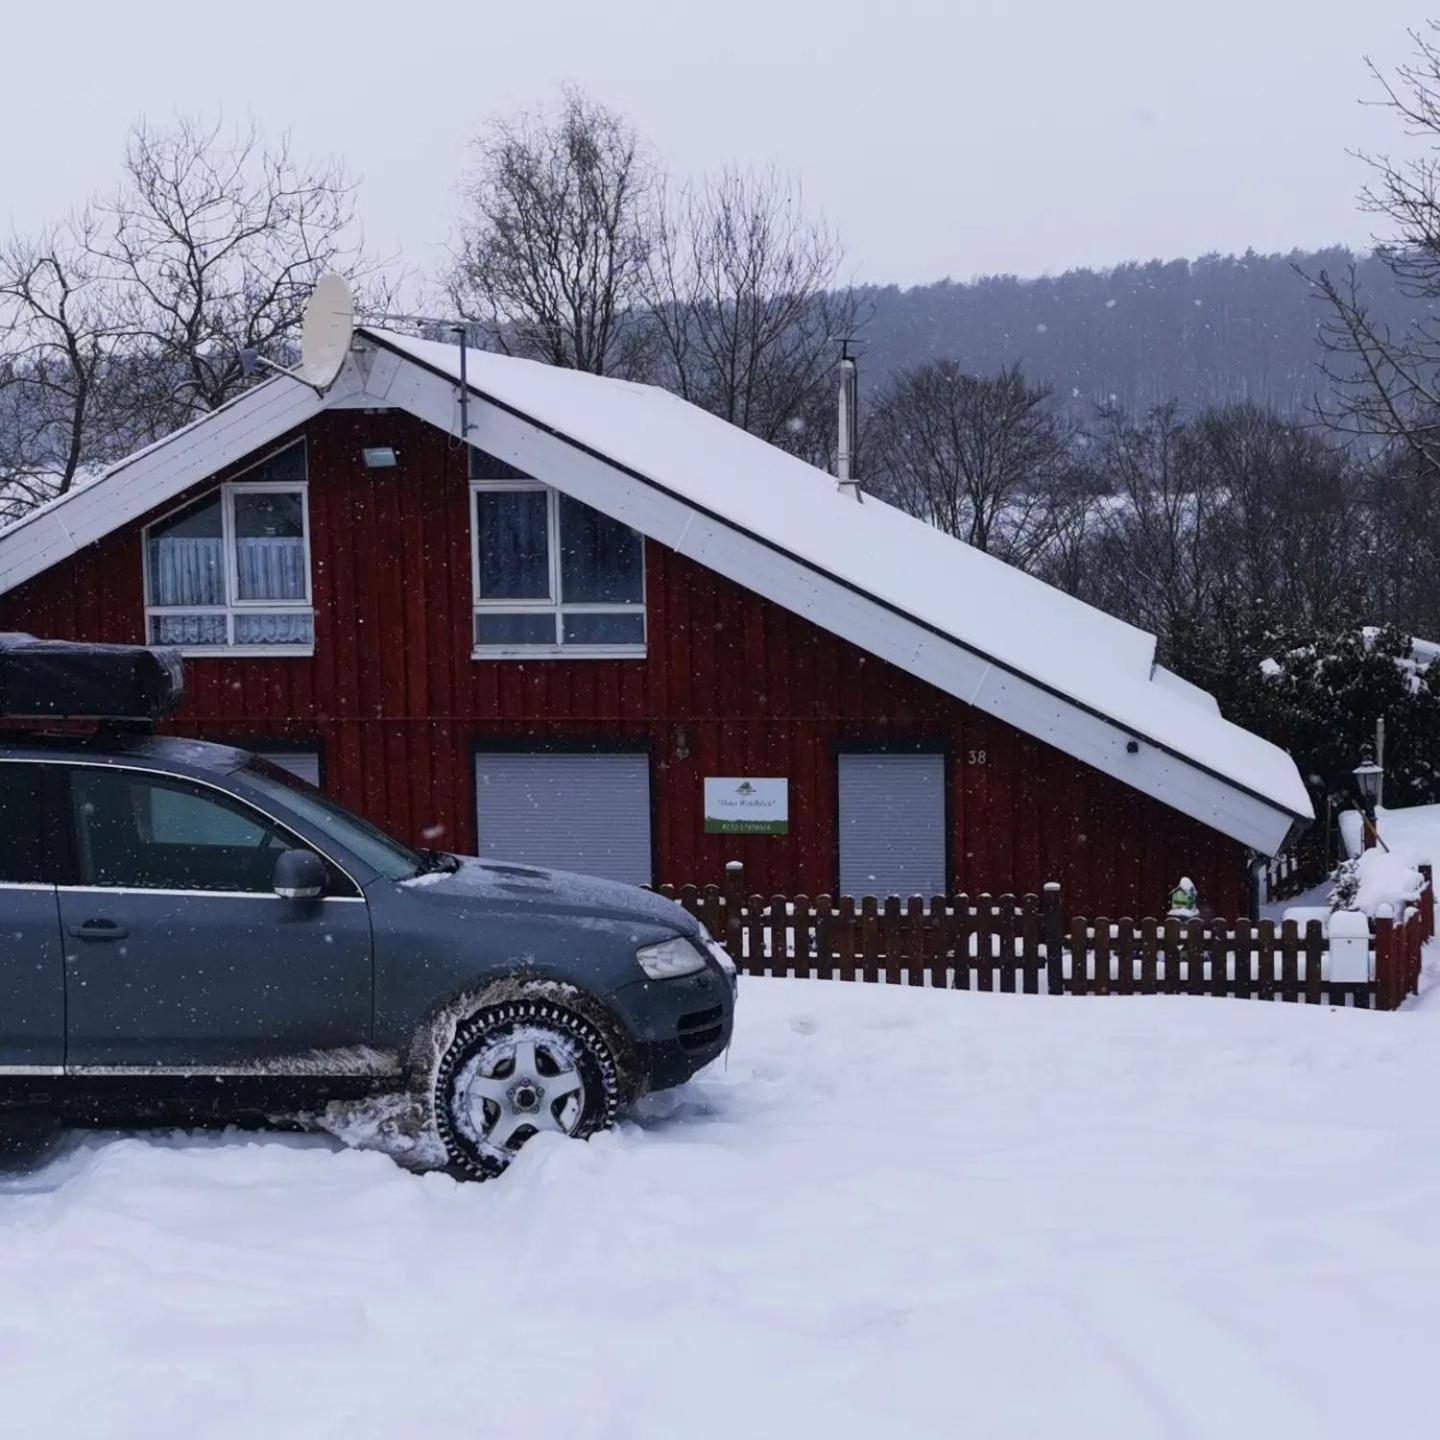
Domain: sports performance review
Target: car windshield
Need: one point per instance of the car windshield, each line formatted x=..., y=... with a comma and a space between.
x=369, y=842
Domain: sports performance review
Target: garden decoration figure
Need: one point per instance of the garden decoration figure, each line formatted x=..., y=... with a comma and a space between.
x=1184, y=900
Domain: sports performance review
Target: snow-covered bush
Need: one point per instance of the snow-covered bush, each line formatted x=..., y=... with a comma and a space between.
x=1318, y=694
x=1346, y=885
x=1375, y=878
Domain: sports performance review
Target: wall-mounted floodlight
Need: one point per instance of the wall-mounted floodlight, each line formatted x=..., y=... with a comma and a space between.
x=378, y=457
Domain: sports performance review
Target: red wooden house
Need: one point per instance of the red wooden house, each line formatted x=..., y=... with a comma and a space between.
x=578, y=621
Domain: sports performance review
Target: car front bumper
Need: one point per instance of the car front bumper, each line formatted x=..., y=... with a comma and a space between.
x=678, y=1026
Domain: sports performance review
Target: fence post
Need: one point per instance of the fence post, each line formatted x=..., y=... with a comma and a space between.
x=1414, y=943
x=734, y=902
x=1427, y=904
x=1387, y=991
x=1053, y=905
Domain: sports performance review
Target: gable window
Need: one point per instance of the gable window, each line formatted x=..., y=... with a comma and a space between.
x=552, y=576
x=231, y=570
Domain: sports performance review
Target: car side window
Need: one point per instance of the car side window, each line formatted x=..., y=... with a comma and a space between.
x=153, y=832
x=23, y=823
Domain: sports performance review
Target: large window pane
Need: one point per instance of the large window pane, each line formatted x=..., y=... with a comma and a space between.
x=186, y=557
x=601, y=560
x=514, y=629
x=143, y=832
x=263, y=629
x=270, y=545
x=513, y=543
x=604, y=629
x=191, y=631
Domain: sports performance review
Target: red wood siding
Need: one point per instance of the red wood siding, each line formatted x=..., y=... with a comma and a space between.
x=732, y=685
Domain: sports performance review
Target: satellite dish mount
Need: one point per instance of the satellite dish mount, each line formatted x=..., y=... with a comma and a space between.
x=325, y=331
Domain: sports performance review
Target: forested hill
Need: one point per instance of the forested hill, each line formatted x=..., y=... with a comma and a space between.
x=1199, y=332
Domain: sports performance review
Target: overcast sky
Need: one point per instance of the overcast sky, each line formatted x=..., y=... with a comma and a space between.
x=957, y=138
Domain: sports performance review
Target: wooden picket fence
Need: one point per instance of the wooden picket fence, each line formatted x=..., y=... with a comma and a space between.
x=1298, y=869
x=1025, y=944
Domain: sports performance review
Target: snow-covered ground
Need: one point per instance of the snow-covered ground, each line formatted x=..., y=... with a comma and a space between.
x=896, y=1213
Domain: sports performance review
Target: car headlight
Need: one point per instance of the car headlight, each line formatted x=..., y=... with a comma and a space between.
x=670, y=959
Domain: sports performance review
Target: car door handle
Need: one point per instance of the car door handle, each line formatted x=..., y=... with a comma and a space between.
x=99, y=930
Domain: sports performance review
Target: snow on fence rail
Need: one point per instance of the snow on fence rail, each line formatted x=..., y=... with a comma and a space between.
x=1025, y=944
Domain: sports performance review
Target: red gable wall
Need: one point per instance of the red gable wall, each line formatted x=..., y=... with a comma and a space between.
x=732, y=685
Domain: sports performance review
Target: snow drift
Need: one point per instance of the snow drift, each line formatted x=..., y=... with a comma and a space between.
x=897, y=1213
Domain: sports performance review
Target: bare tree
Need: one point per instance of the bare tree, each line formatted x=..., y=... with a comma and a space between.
x=556, y=243
x=1285, y=515
x=743, y=299
x=981, y=457
x=1387, y=382
x=213, y=243
x=1217, y=531
x=129, y=319
x=60, y=333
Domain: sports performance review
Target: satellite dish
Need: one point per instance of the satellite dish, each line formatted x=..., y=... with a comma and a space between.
x=325, y=331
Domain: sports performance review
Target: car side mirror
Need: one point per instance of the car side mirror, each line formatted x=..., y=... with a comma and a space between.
x=299, y=875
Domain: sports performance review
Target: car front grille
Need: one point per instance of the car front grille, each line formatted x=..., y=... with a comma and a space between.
x=701, y=1029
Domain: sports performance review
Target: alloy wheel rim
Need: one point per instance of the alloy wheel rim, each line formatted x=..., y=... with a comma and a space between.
x=519, y=1084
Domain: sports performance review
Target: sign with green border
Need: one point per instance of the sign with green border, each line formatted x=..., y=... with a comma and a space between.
x=744, y=805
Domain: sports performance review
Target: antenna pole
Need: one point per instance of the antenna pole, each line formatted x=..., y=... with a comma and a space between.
x=460, y=331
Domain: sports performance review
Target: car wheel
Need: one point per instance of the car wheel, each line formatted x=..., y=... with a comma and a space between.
x=515, y=1069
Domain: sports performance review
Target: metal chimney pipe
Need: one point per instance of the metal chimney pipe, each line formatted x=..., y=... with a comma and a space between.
x=849, y=424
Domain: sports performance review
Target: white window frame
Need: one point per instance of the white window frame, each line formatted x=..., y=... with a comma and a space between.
x=228, y=491
x=554, y=605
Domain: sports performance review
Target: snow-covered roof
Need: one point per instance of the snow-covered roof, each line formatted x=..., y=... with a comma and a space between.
x=976, y=628
x=992, y=609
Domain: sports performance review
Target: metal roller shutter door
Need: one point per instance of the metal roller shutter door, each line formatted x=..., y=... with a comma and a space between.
x=582, y=812
x=892, y=825
x=304, y=763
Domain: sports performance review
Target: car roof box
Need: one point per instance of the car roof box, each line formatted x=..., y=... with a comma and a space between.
x=57, y=678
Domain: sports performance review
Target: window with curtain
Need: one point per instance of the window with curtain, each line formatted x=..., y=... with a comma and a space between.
x=552, y=575
x=232, y=569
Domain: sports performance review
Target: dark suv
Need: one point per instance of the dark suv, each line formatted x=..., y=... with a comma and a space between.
x=185, y=924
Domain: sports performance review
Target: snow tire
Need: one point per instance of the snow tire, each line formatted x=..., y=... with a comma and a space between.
x=580, y=1048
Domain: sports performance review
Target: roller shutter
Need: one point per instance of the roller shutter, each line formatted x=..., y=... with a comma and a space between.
x=587, y=812
x=892, y=824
